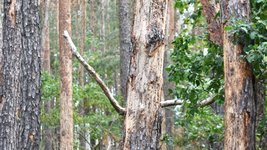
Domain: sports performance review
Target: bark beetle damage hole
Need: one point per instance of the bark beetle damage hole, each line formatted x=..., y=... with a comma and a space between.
x=12, y=12
x=155, y=38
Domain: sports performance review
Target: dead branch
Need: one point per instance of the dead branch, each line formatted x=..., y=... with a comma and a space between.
x=174, y=102
x=94, y=74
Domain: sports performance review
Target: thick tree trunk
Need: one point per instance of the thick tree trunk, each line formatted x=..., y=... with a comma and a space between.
x=239, y=90
x=143, y=118
x=66, y=111
x=19, y=118
x=125, y=44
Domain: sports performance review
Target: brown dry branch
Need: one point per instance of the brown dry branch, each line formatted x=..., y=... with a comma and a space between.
x=94, y=74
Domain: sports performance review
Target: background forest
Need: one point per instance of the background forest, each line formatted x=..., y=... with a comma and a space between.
x=193, y=72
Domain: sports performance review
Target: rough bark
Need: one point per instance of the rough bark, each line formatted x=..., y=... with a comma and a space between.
x=125, y=43
x=65, y=56
x=19, y=118
x=239, y=90
x=1, y=56
x=211, y=10
x=143, y=118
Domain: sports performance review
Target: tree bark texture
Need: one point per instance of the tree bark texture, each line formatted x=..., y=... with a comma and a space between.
x=66, y=110
x=211, y=9
x=125, y=43
x=239, y=89
x=19, y=117
x=143, y=118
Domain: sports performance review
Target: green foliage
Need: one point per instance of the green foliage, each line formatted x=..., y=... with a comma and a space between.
x=253, y=36
x=50, y=93
x=197, y=70
x=201, y=131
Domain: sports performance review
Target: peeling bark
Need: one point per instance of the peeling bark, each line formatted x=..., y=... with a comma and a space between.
x=145, y=83
x=211, y=10
x=239, y=85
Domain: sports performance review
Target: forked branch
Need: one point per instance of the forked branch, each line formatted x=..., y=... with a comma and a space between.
x=94, y=74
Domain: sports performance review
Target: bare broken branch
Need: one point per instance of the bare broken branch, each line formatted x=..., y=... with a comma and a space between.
x=94, y=74
x=174, y=102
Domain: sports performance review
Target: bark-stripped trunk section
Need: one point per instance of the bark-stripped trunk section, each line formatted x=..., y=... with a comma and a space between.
x=19, y=117
x=143, y=118
x=239, y=91
x=66, y=112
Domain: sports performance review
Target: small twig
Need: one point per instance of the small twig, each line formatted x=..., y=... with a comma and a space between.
x=94, y=74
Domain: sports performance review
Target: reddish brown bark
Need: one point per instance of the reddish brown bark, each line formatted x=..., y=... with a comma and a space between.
x=211, y=12
x=239, y=87
x=143, y=118
x=65, y=55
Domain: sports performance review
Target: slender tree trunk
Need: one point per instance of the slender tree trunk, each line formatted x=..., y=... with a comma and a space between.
x=47, y=133
x=239, y=89
x=92, y=22
x=66, y=112
x=125, y=43
x=167, y=123
x=103, y=25
x=19, y=117
x=81, y=70
x=143, y=118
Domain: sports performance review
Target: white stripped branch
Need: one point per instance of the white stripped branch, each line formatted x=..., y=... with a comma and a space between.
x=175, y=102
x=94, y=74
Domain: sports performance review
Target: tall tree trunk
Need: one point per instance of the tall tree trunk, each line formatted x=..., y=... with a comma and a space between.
x=81, y=70
x=66, y=112
x=103, y=23
x=19, y=118
x=143, y=118
x=239, y=89
x=167, y=123
x=46, y=67
x=92, y=22
x=125, y=43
